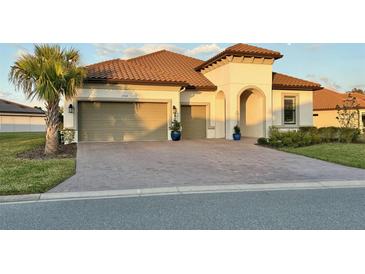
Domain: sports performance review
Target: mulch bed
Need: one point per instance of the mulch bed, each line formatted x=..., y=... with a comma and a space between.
x=64, y=151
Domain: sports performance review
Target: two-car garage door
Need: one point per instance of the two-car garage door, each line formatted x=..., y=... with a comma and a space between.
x=116, y=121
x=127, y=121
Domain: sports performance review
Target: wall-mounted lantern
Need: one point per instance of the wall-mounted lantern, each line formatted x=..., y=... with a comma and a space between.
x=70, y=108
x=174, y=111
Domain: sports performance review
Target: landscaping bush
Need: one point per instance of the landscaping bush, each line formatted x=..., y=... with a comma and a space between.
x=262, y=141
x=329, y=134
x=68, y=136
x=360, y=139
x=348, y=135
x=308, y=130
x=306, y=136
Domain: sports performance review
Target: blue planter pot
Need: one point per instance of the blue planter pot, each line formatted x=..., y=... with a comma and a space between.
x=175, y=135
x=236, y=136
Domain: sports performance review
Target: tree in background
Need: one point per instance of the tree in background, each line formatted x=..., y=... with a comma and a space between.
x=348, y=112
x=48, y=75
x=357, y=90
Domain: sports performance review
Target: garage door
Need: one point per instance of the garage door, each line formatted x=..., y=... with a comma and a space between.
x=115, y=121
x=193, y=121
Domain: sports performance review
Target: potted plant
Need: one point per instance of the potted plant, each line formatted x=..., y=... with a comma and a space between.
x=175, y=130
x=237, y=133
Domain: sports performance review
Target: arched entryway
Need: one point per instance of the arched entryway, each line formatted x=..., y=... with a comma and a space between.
x=252, y=116
x=220, y=115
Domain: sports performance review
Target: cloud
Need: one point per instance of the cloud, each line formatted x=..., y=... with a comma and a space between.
x=108, y=49
x=204, y=49
x=5, y=94
x=313, y=47
x=20, y=52
x=119, y=50
x=325, y=81
x=149, y=48
x=362, y=86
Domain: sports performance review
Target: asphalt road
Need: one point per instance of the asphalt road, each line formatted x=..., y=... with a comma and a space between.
x=290, y=209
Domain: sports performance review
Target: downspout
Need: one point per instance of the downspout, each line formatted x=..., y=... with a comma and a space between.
x=182, y=89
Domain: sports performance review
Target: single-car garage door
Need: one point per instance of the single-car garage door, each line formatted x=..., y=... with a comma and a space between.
x=193, y=121
x=116, y=121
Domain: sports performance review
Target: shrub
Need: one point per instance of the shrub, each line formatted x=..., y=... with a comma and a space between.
x=237, y=129
x=329, y=134
x=348, y=135
x=262, y=141
x=68, y=136
x=175, y=125
x=308, y=129
x=360, y=139
x=306, y=136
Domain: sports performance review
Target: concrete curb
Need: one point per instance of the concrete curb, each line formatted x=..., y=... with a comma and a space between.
x=55, y=196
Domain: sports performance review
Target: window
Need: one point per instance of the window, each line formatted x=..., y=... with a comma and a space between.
x=289, y=110
x=363, y=120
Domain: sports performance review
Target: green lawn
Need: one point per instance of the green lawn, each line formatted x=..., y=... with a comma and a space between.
x=20, y=176
x=345, y=154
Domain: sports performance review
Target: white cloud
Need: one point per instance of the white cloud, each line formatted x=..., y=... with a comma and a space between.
x=313, y=46
x=149, y=48
x=362, y=86
x=204, y=49
x=20, y=52
x=325, y=81
x=118, y=50
x=108, y=49
x=19, y=97
x=4, y=94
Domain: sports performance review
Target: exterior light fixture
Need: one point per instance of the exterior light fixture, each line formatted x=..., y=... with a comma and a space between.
x=70, y=108
x=174, y=111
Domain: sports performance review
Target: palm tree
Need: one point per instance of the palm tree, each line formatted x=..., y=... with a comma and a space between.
x=49, y=74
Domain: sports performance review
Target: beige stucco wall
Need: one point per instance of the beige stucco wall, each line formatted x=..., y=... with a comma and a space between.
x=304, y=100
x=123, y=93
x=20, y=123
x=325, y=118
x=233, y=79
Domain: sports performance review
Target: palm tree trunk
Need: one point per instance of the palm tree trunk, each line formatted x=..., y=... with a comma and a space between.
x=52, y=122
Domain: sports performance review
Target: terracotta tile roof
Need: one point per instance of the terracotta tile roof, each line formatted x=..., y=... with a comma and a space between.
x=282, y=81
x=169, y=68
x=161, y=67
x=12, y=107
x=326, y=99
x=242, y=50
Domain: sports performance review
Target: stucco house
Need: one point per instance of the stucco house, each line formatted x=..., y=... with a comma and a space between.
x=324, y=107
x=136, y=99
x=15, y=117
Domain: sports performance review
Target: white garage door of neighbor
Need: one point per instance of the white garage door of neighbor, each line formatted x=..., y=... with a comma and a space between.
x=116, y=121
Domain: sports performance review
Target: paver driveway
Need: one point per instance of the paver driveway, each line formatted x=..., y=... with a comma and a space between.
x=112, y=166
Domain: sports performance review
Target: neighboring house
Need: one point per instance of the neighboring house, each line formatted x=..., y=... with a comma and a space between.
x=136, y=99
x=324, y=107
x=15, y=117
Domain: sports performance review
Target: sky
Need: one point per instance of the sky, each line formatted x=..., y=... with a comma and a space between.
x=339, y=67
